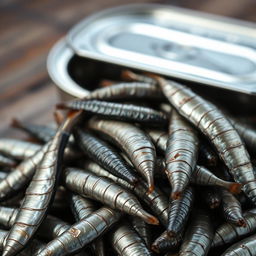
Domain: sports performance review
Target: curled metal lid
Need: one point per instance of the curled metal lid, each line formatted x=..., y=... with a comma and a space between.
x=182, y=44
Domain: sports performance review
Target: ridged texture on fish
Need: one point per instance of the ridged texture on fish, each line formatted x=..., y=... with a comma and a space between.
x=43, y=133
x=165, y=243
x=202, y=176
x=159, y=138
x=228, y=233
x=247, y=133
x=217, y=128
x=81, y=233
x=118, y=111
x=232, y=209
x=179, y=211
x=21, y=174
x=18, y=149
x=198, y=237
x=156, y=201
x=142, y=229
x=134, y=142
x=126, y=91
x=181, y=154
x=127, y=242
x=105, y=191
x=104, y=155
x=246, y=247
x=40, y=191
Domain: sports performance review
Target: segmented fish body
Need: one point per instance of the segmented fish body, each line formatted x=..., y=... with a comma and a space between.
x=18, y=149
x=217, y=128
x=159, y=138
x=207, y=156
x=202, y=176
x=134, y=142
x=129, y=75
x=165, y=243
x=105, y=191
x=7, y=216
x=156, y=201
x=3, y=234
x=127, y=242
x=142, y=229
x=232, y=208
x=126, y=91
x=81, y=207
x=181, y=154
x=21, y=175
x=246, y=247
x=51, y=228
x=198, y=237
x=81, y=233
x=43, y=133
x=6, y=161
x=247, y=133
x=105, y=155
x=228, y=233
x=179, y=211
x=40, y=191
x=117, y=111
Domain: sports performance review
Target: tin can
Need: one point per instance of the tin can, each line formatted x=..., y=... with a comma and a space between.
x=214, y=55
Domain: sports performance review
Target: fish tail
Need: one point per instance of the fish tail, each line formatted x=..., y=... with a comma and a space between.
x=235, y=188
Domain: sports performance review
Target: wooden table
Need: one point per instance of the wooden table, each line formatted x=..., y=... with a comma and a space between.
x=29, y=29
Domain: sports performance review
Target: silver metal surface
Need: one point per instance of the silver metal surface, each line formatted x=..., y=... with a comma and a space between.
x=179, y=43
x=57, y=65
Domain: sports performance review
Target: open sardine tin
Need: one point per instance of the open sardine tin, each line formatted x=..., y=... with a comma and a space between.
x=210, y=53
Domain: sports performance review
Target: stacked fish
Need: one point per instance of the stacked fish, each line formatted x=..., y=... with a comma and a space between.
x=140, y=167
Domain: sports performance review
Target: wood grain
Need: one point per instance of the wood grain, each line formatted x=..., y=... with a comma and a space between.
x=30, y=28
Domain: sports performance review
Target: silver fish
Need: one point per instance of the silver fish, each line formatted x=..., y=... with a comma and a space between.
x=21, y=175
x=246, y=247
x=198, y=237
x=40, y=191
x=156, y=201
x=202, y=176
x=181, y=154
x=127, y=242
x=81, y=233
x=134, y=142
x=18, y=149
x=105, y=191
x=217, y=128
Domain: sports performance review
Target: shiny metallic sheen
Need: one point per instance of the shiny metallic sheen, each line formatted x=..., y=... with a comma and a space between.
x=18, y=149
x=181, y=153
x=171, y=41
x=40, y=191
x=105, y=155
x=105, y=191
x=134, y=142
x=228, y=233
x=202, y=176
x=179, y=211
x=217, y=128
x=127, y=242
x=81, y=233
x=117, y=111
x=198, y=237
x=246, y=247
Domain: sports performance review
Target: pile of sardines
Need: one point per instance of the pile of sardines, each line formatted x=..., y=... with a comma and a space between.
x=140, y=167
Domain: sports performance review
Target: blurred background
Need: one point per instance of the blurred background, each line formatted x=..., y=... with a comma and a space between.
x=29, y=29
